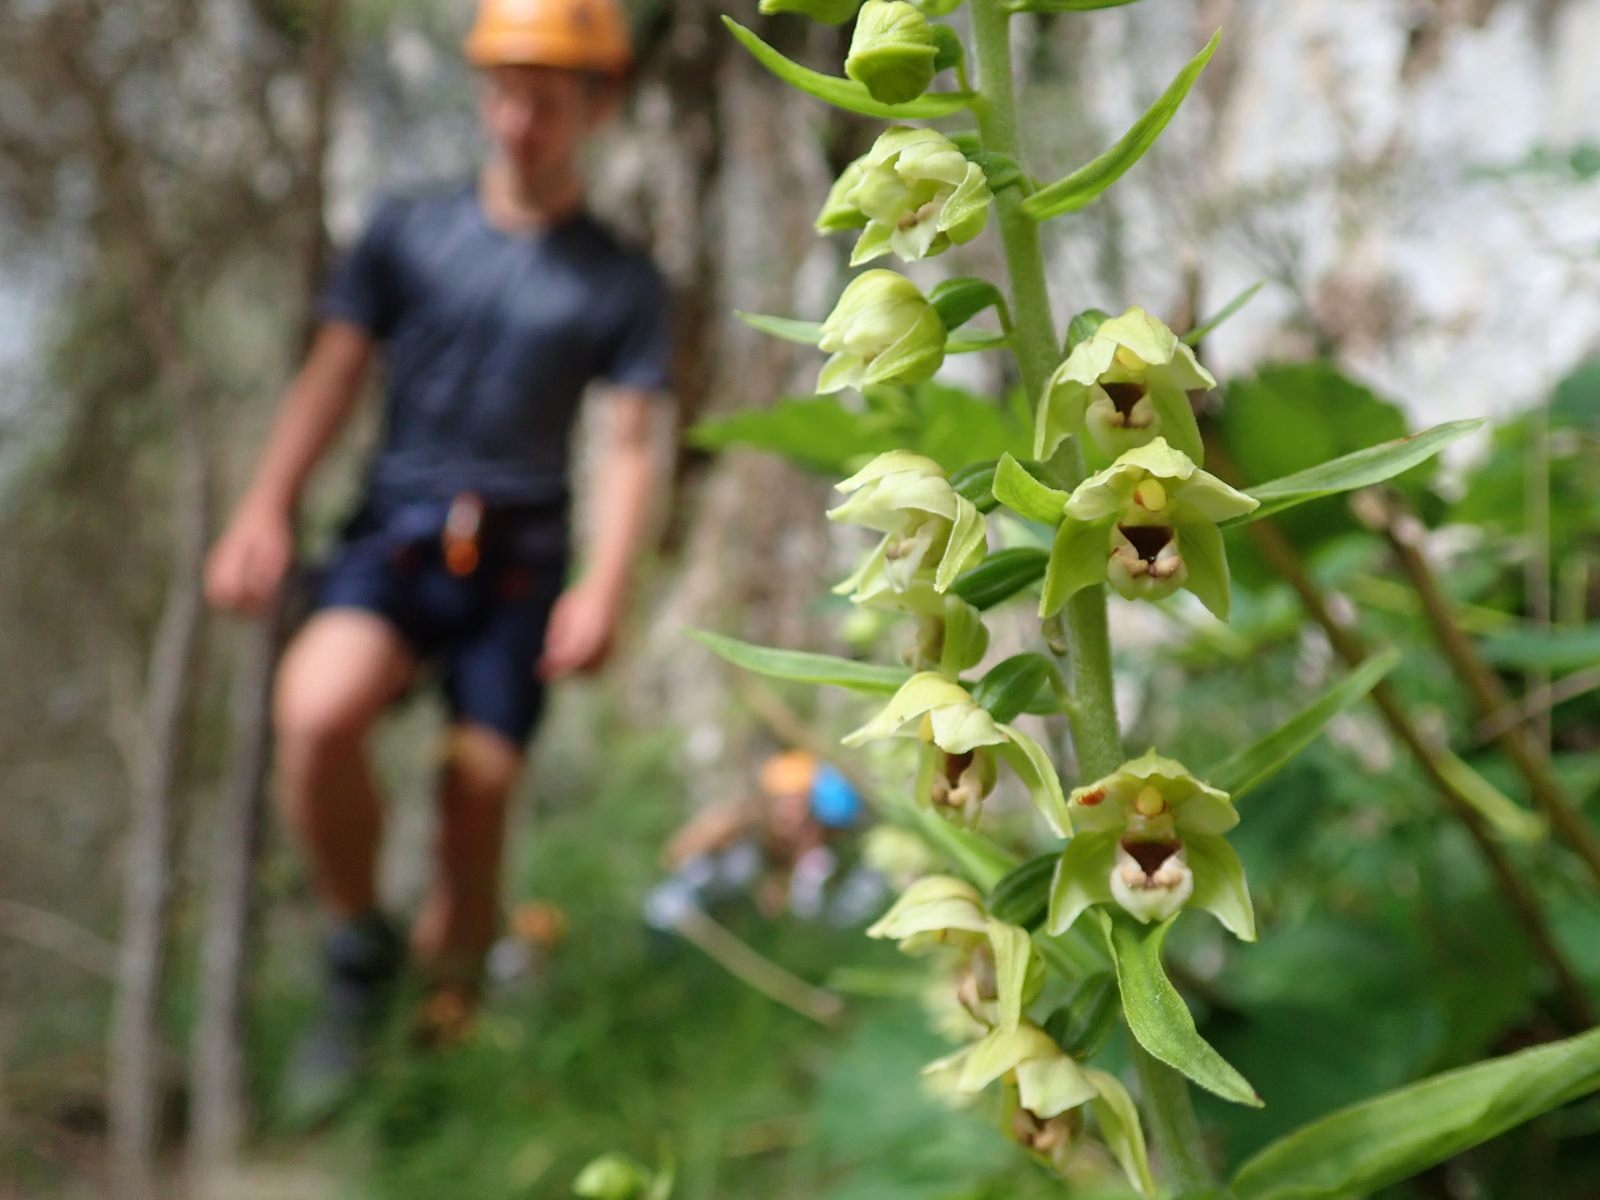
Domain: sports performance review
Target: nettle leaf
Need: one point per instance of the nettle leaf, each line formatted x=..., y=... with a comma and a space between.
x=1157, y=1015
x=1361, y=469
x=1083, y=186
x=1379, y=1142
x=1196, y=335
x=1019, y=490
x=1010, y=686
x=809, y=333
x=1254, y=765
x=844, y=93
x=803, y=666
x=1001, y=576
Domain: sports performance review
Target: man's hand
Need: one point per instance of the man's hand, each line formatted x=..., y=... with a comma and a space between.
x=583, y=624
x=247, y=565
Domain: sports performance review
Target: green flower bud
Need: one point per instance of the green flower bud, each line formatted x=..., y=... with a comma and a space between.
x=892, y=52
x=915, y=192
x=938, y=910
x=883, y=330
x=1126, y=384
x=1147, y=524
x=1149, y=840
x=612, y=1177
x=931, y=533
x=826, y=12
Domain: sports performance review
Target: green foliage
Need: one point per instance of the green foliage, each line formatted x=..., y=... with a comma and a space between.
x=830, y=436
x=1157, y=1015
x=803, y=666
x=1389, y=1138
x=1085, y=185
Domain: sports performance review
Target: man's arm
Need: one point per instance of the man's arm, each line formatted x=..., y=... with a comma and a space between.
x=248, y=563
x=585, y=617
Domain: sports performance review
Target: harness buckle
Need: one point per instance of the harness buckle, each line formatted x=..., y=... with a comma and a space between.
x=463, y=533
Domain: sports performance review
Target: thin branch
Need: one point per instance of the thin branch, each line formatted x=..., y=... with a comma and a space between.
x=59, y=935
x=1542, y=700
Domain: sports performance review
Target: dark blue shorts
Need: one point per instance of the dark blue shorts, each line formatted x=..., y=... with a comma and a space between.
x=484, y=631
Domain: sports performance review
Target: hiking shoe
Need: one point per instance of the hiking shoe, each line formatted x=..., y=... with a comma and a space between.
x=361, y=962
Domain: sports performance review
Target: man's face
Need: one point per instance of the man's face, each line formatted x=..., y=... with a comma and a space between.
x=539, y=116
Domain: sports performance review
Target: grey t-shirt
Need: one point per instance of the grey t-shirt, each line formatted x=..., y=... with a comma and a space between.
x=489, y=340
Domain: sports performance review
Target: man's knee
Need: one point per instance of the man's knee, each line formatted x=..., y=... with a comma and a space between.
x=308, y=723
x=480, y=768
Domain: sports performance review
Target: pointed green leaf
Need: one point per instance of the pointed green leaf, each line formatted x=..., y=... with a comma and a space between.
x=1368, y=1146
x=1001, y=576
x=1361, y=469
x=844, y=93
x=1254, y=765
x=802, y=666
x=1009, y=686
x=958, y=300
x=1085, y=184
x=1118, y=1118
x=1572, y=649
x=971, y=853
x=1158, y=1016
x=809, y=333
x=1508, y=819
x=1198, y=333
x=1017, y=488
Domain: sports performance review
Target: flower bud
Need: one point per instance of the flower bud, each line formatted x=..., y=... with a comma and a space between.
x=892, y=52
x=826, y=12
x=883, y=330
x=612, y=1177
x=915, y=192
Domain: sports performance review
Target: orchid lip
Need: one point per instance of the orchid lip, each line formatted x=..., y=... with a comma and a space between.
x=1124, y=397
x=1148, y=541
x=1150, y=855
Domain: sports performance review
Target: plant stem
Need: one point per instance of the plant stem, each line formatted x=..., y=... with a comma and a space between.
x=1095, y=739
x=1093, y=718
x=1171, y=1116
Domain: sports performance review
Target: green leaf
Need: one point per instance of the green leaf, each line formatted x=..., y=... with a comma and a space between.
x=1509, y=820
x=1198, y=333
x=802, y=666
x=952, y=52
x=1011, y=685
x=1001, y=576
x=1361, y=469
x=1084, y=185
x=1254, y=765
x=1379, y=1142
x=1158, y=1016
x=809, y=333
x=1083, y=325
x=1017, y=488
x=976, y=483
x=844, y=93
x=817, y=433
x=1545, y=649
x=970, y=853
x=1022, y=896
x=958, y=300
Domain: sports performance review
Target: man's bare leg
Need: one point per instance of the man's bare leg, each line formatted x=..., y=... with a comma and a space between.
x=337, y=676
x=461, y=915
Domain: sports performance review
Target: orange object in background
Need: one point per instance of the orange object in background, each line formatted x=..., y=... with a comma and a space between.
x=580, y=35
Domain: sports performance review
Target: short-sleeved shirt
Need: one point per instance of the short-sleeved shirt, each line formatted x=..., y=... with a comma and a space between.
x=489, y=340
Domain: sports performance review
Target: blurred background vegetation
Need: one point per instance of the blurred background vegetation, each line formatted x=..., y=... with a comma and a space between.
x=1418, y=188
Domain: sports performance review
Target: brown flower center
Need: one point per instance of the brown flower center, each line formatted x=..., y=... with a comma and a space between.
x=1148, y=541
x=1150, y=855
x=1124, y=396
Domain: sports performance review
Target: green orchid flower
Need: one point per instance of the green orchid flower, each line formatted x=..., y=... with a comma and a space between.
x=1147, y=525
x=935, y=912
x=916, y=194
x=1149, y=839
x=883, y=330
x=931, y=533
x=1126, y=384
x=952, y=726
x=892, y=52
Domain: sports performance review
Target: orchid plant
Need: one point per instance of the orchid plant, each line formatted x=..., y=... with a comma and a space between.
x=1139, y=838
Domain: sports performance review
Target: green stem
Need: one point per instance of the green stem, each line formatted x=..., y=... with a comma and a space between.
x=1095, y=738
x=1171, y=1116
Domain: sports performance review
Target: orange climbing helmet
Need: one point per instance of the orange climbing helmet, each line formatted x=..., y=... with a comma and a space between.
x=581, y=35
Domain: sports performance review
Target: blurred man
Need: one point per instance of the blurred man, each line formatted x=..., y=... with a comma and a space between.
x=492, y=304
